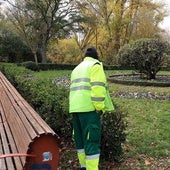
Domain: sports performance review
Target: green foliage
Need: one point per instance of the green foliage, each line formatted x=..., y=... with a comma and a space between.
x=12, y=48
x=124, y=55
x=31, y=65
x=113, y=135
x=15, y=74
x=50, y=66
x=64, y=51
x=146, y=55
x=51, y=103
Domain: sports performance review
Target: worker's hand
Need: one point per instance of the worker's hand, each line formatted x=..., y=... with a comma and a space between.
x=99, y=111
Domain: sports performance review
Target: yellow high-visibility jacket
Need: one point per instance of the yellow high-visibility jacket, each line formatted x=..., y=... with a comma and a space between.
x=88, y=90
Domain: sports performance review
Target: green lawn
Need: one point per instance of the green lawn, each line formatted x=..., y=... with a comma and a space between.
x=148, y=130
x=51, y=74
x=148, y=126
x=148, y=138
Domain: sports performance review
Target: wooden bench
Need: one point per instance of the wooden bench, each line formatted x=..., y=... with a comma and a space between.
x=26, y=141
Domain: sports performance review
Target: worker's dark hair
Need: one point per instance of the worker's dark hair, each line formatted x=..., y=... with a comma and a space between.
x=91, y=52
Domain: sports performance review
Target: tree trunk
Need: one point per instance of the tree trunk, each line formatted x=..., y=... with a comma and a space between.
x=35, y=58
x=43, y=52
x=151, y=76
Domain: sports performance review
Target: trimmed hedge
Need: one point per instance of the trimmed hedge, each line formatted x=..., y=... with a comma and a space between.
x=30, y=65
x=49, y=66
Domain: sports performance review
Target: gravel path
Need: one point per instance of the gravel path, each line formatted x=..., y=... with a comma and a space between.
x=141, y=95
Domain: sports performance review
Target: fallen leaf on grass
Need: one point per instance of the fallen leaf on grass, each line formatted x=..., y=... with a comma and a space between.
x=149, y=161
x=153, y=144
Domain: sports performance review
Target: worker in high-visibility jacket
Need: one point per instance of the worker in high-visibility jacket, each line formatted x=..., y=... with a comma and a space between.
x=88, y=98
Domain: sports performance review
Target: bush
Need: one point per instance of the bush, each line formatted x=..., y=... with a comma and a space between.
x=51, y=103
x=12, y=48
x=31, y=65
x=146, y=55
x=113, y=135
x=124, y=55
x=50, y=66
x=15, y=74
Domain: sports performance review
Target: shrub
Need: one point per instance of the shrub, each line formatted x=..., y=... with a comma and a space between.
x=51, y=103
x=124, y=55
x=12, y=48
x=15, y=74
x=50, y=66
x=113, y=135
x=30, y=65
x=146, y=55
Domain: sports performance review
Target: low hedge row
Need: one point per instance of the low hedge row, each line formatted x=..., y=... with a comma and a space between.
x=51, y=102
x=49, y=66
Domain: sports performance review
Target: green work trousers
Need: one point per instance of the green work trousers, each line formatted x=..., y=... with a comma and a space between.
x=87, y=135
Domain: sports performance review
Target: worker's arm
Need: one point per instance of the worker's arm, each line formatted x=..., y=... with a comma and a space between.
x=98, y=89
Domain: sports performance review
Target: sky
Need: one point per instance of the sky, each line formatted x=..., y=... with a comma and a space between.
x=166, y=22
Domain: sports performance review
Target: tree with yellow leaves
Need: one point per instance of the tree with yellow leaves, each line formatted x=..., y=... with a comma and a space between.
x=113, y=23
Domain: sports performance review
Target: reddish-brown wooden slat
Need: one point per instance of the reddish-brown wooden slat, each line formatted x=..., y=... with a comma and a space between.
x=15, y=122
x=15, y=125
x=21, y=114
x=12, y=144
x=38, y=119
x=2, y=161
x=5, y=148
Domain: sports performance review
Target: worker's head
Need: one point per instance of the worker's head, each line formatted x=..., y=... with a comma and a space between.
x=91, y=52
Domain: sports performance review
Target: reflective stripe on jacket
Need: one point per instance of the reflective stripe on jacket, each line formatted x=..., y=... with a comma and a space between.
x=88, y=90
